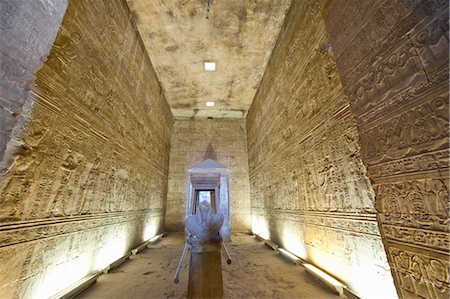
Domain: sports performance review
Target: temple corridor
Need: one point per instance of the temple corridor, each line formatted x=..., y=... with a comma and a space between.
x=256, y=272
x=319, y=126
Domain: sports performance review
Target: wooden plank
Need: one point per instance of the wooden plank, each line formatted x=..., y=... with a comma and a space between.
x=205, y=272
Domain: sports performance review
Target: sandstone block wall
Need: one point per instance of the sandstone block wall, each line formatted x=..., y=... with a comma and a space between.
x=308, y=185
x=195, y=140
x=88, y=178
x=393, y=61
x=27, y=32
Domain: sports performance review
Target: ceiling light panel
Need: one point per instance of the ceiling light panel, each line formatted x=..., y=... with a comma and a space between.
x=209, y=66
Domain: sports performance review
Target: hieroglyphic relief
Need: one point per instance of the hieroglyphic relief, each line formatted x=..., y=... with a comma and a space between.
x=426, y=162
x=399, y=95
x=362, y=223
x=419, y=197
x=308, y=185
x=15, y=233
x=415, y=131
x=377, y=35
x=432, y=239
x=94, y=158
x=324, y=174
x=421, y=274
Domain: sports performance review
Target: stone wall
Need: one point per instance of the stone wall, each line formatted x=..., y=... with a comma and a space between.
x=27, y=31
x=195, y=140
x=393, y=61
x=88, y=178
x=308, y=185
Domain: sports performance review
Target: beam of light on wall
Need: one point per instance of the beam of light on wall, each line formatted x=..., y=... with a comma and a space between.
x=325, y=278
x=114, y=247
x=78, y=287
x=55, y=279
x=292, y=241
x=355, y=260
x=151, y=228
x=381, y=283
x=155, y=238
x=260, y=226
x=80, y=255
x=295, y=259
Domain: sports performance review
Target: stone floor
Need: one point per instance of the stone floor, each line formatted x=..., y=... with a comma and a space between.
x=256, y=272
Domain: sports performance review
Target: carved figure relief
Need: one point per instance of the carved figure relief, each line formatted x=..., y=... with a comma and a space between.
x=312, y=143
x=398, y=93
x=72, y=176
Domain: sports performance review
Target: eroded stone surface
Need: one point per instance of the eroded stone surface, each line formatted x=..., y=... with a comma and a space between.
x=89, y=178
x=193, y=141
x=393, y=61
x=27, y=32
x=238, y=36
x=309, y=190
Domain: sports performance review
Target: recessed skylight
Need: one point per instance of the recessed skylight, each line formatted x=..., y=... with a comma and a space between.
x=209, y=66
x=210, y=104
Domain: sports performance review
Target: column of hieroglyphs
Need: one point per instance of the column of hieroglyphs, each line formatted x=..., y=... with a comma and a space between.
x=393, y=61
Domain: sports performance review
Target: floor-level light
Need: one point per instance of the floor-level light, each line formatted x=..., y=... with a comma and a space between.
x=318, y=274
x=258, y=237
x=117, y=263
x=295, y=259
x=156, y=238
x=271, y=244
x=326, y=279
x=139, y=248
x=267, y=242
x=85, y=282
x=78, y=287
x=147, y=243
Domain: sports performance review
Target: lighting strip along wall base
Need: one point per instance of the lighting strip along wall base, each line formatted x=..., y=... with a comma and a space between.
x=90, y=279
x=324, y=278
x=116, y=263
x=139, y=248
x=293, y=258
x=155, y=239
x=148, y=243
x=77, y=287
x=259, y=238
x=271, y=245
x=350, y=294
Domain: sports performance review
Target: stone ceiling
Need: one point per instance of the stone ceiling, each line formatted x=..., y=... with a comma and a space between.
x=238, y=36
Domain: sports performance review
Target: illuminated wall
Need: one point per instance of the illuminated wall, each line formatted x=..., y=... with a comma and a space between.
x=84, y=174
x=194, y=140
x=308, y=185
x=398, y=90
